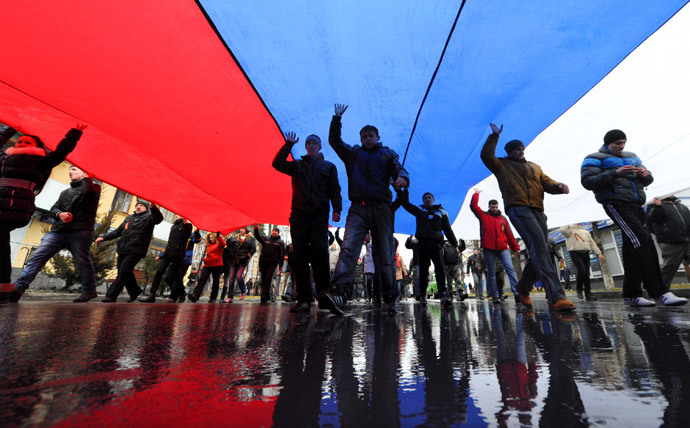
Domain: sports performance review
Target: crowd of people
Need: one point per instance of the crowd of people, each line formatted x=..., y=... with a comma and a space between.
x=616, y=177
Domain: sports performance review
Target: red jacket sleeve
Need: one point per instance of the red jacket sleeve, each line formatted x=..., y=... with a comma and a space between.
x=474, y=205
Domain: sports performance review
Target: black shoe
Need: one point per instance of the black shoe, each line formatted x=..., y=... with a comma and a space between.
x=182, y=298
x=264, y=300
x=150, y=299
x=496, y=301
x=446, y=303
x=332, y=302
x=133, y=298
x=108, y=300
x=15, y=296
x=4, y=298
x=212, y=301
x=579, y=295
x=301, y=307
x=590, y=297
x=517, y=299
x=192, y=297
x=85, y=297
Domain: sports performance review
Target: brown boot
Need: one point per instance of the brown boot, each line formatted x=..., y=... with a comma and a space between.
x=562, y=305
x=526, y=301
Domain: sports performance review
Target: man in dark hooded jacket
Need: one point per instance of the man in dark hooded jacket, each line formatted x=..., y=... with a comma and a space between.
x=135, y=235
x=172, y=255
x=370, y=169
x=272, y=254
x=314, y=185
x=432, y=223
x=669, y=219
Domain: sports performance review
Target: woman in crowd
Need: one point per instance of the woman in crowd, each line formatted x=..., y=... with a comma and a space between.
x=213, y=266
x=24, y=170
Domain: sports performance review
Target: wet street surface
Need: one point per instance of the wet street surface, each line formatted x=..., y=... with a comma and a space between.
x=90, y=365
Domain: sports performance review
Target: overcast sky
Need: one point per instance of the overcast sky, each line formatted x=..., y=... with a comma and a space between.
x=648, y=97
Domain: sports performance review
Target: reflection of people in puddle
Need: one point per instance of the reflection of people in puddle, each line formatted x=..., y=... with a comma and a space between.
x=302, y=353
x=670, y=362
x=593, y=333
x=516, y=378
x=445, y=396
x=563, y=406
x=354, y=407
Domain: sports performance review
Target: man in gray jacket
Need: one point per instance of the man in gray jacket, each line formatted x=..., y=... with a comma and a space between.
x=617, y=179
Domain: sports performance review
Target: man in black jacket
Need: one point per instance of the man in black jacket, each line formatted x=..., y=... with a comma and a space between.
x=314, y=185
x=135, y=235
x=74, y=214
x=669, y=219
x=452, y=265
x=172, y=255
x=432, y=223
x=272, y=253
x=475, y=265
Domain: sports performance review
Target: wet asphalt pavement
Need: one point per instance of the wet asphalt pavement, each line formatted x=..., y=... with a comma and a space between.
x=243, y=364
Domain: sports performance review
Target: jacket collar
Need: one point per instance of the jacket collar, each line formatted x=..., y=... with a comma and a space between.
x=515, y=160
x=376, y=147
x=311, y=158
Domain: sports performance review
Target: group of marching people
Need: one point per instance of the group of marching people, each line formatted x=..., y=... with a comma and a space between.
x=616, y=177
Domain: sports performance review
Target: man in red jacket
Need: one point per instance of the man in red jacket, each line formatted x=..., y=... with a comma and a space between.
x=496, y=238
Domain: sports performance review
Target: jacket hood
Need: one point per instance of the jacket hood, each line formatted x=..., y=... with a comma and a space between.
x=34, y=151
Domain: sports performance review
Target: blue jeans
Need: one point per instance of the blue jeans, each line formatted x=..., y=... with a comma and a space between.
x=78, y=242
x=490, y=257
x=378, y=219
x=531, y=225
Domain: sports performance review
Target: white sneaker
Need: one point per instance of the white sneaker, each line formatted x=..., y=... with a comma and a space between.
x=638, y=301
x=670, y=299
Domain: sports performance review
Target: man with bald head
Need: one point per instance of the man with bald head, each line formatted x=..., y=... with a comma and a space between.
x=74, y=214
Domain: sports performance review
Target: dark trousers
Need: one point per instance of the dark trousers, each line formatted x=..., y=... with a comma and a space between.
x=432, y=252
x=581, y=261
x=310, y=245
x=531, y=225
x=125, y=276
x=163, y=264
x=362, y=218
x=176, y=292
x=6, y=249
x=640, y=258
x=236, y=274
x=207, y=271
x=226, y=280
x=266, y=269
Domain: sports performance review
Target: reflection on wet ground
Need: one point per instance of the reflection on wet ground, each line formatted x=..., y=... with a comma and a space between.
x=250, y=365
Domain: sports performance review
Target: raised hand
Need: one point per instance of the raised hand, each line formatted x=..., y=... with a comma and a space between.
x=340, y=109
x=291, y=138
x=81, y=126
x=496, y=129
x=477, y=190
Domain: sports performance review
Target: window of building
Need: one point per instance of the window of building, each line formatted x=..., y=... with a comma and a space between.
x=122, y=201
x=167, y=215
